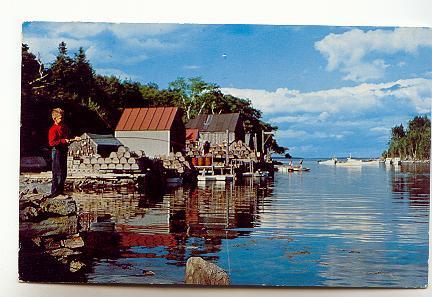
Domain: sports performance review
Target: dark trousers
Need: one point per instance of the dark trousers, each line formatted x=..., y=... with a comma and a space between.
x=59, y=170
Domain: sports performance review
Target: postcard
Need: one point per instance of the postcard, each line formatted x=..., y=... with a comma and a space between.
x=225, y=155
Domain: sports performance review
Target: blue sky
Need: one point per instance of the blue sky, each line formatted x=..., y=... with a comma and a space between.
x=330, y=90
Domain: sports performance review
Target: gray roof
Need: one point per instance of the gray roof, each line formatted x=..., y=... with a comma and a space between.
x=214, y=122
x=104, y=139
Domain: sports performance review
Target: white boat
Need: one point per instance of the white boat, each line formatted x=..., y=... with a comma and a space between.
x=350, y=162
x=333, y=161
x=393, y=161
x=298, y=168
x=287, y=168
x=371, y=162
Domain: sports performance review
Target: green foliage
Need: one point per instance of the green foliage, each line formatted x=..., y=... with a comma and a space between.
x=413, y=143
x=72, y=83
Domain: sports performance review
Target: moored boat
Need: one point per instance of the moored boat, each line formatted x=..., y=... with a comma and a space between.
x=298, y=168
x=332, y=161
x=350, y=162
x=371, y=162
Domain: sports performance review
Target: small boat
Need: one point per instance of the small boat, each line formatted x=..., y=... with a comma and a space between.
x=332, y=161
x=350, y=162
x=298, y=168
x=393, y=161
x=371, y=162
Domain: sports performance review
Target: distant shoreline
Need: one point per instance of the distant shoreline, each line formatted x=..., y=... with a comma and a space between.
x=341, y=158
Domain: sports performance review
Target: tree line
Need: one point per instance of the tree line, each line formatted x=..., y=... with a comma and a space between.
x=94, y=102
x=411, y=143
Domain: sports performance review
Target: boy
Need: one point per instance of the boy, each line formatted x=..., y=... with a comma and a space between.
x=58, y=139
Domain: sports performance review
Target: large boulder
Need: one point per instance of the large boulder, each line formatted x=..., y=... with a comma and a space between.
x=41, y=216
x=59, y=206
x=64, y=225
x=201, y=272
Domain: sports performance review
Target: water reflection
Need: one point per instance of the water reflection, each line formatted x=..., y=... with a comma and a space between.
x=182, y=223
x=412, y=182
x=330, y=227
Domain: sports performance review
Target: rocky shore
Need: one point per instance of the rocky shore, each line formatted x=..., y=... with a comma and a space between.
x=49, y=232
x=52, y=249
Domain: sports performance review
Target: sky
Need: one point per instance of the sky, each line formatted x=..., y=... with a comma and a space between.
x=332, y=91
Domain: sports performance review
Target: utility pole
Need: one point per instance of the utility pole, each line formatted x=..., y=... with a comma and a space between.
x=227, y=148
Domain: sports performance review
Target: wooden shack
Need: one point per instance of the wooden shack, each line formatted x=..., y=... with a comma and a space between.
x=213, y=127
x=90, y=144
x=156, y=130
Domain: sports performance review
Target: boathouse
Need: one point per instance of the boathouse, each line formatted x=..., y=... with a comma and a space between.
x=213, y=127
x=156, y=130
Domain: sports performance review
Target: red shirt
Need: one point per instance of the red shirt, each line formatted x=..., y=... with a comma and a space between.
x=58, y=134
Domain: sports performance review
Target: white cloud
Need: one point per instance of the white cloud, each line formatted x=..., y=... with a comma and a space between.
x=133, y=39
x=303, y=149
x=77, y=30
x=366, y=71
x=350, y=119
x=124, y=31
x=150, y=44
x=47, y=47
x=289, y=133
x=415, y=94
x=380, y=130
x=136, y=59
x=348, y=51
x=304, y=135
x=115, y=72
x=85, y=29
x=97, y=54
x=314, y=118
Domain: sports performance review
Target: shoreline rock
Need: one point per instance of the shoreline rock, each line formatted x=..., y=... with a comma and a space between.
x=202, y=272
x=51, y=225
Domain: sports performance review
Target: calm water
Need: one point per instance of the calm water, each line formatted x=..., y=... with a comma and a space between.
x=331, y=226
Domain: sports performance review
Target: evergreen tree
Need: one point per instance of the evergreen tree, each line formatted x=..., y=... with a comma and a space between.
x=83, y=75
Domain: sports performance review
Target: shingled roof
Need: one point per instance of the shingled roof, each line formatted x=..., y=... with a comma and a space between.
x=104, y=139
x=147, y=119
x=214, y=122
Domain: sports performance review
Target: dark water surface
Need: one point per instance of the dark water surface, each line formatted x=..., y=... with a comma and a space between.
x=356, y=227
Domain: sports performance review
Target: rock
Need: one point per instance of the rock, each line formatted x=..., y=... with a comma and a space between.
x=65, y=225
x=51, y=244
x=201, y=272
x=74, y=266
x=148, y=273
x=27, y=199
x=62, y=252
x=73, y=242
x=37, y=241
x=60, y=205
x=28, y=213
